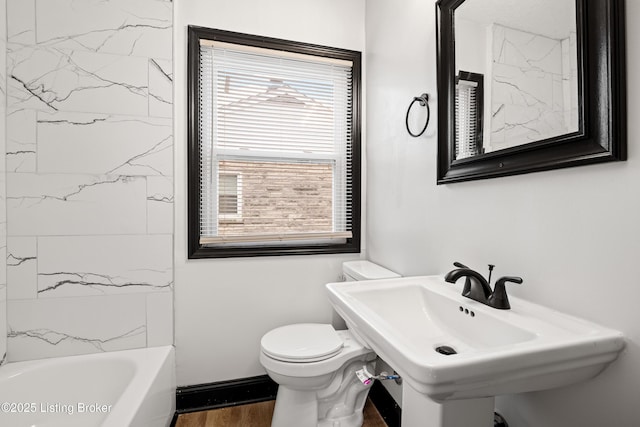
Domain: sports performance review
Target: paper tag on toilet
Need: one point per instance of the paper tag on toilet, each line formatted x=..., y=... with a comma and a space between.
x=363, y=377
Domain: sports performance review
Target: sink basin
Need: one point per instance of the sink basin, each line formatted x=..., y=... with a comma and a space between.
x=414, y=322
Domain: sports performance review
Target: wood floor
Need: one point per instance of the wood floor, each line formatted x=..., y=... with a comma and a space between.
x=256, y=415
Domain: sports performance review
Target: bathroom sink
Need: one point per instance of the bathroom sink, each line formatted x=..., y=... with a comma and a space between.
x=449, y=347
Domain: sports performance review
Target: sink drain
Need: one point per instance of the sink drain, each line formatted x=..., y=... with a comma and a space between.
x=446, y=350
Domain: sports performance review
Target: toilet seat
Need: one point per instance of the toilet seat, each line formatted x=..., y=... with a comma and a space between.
x=302, y=343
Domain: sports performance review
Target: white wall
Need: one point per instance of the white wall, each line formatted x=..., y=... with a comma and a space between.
x=472, y=39
x=572, y=234
x=224, y=306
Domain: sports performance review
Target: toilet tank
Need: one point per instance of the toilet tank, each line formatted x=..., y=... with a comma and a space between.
x=365, y=270
x=356, y=271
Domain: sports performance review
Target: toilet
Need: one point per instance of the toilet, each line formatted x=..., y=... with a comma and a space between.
x=316, y=367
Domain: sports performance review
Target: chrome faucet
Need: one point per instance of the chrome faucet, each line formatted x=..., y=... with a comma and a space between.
x=477, y=287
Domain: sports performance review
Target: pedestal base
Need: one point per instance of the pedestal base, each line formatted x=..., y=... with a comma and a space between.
x=418, y=410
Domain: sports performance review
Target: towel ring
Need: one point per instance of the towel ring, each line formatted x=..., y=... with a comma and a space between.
x=423, y=100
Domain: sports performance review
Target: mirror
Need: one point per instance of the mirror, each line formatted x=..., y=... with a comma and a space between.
x=529, y=85
x=526, y=54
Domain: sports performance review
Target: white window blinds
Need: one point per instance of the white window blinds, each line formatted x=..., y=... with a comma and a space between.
x=466, y=119
x=275, y=146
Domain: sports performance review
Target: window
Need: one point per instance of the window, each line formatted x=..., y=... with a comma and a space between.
x=229, y=196
x=274, y=146
x=469, y=113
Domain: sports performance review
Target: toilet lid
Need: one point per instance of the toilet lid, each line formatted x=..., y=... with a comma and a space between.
x=304, y=342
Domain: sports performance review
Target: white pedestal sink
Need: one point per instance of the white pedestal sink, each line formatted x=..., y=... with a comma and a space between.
x=419, y=409
x=526, y=348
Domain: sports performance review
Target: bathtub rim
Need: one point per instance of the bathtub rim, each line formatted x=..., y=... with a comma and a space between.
x=148, y=364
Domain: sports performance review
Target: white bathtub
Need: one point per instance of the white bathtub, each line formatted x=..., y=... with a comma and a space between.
x=116, y=389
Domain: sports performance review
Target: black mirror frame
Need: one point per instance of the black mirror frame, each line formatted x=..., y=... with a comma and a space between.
x=602, y=80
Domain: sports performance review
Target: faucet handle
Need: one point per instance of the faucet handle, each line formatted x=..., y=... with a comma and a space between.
x=512, y=279
x=459, y=265
x=499, y=298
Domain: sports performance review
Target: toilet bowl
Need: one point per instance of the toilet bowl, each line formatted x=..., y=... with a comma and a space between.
x=317, y=367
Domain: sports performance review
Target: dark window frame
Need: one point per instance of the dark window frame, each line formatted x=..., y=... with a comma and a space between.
x=195, y=249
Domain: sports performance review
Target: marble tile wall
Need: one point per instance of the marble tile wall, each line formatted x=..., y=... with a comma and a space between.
x=89, y=176
x=529, y=88
x=3, y=195
x=570, y=81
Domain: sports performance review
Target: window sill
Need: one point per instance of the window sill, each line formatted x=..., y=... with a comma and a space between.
x=198, y=251
x=230, y=220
